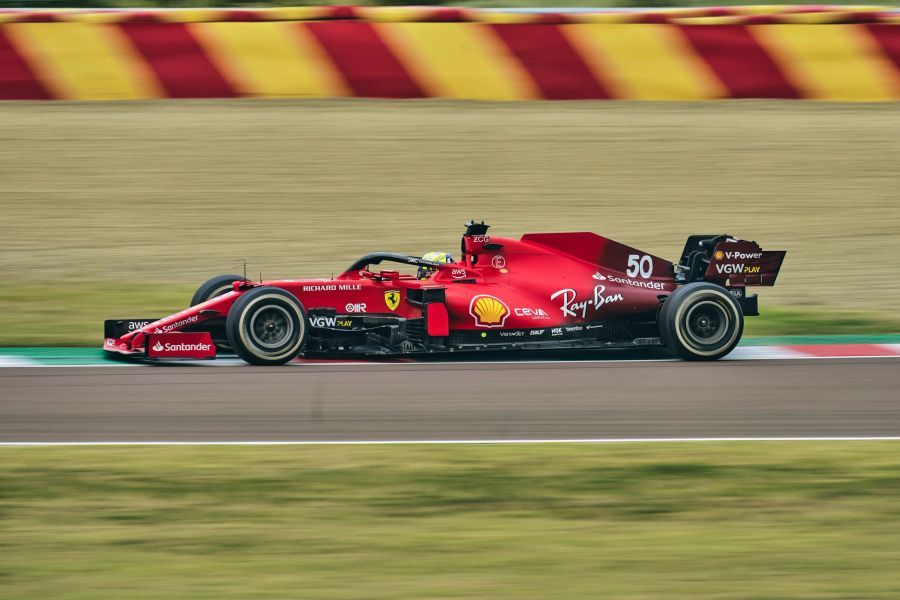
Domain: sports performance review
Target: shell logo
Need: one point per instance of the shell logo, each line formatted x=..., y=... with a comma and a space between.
x=719, y=255
x=488, y=311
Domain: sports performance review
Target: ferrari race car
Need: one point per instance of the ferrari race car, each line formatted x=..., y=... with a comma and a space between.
x=542, y=291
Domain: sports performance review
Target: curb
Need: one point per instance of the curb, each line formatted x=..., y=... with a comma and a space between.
x=762, y=348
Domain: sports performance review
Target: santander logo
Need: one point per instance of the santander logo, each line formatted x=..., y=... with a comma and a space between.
x=181, y=347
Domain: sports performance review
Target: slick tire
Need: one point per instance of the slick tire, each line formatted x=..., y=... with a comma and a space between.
x=216, y=286
x=221, y=284
x=701, y=321
x=267, y=326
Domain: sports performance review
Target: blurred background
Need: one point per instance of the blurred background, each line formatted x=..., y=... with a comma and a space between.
x=122, y=208
x=127, y=207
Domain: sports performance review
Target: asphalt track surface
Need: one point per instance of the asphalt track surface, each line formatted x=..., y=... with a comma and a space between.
x=462, y=401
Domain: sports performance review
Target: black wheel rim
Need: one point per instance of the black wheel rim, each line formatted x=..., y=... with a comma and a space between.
x=271, y=327
x=707, y=323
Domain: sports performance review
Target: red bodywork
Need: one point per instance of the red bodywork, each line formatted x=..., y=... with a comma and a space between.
x=502, y=291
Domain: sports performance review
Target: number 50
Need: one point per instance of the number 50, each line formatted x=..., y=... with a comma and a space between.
x=639, y=265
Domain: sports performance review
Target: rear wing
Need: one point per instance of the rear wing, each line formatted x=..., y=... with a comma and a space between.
x=728, y=261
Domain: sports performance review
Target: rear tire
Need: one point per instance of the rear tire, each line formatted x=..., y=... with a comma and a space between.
x=218, y=285
x=267, y=326
x=701, y=321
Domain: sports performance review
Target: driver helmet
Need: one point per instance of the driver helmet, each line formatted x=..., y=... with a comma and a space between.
x=440, y=257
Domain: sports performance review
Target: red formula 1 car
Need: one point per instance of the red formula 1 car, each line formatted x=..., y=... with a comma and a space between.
x=542, y=291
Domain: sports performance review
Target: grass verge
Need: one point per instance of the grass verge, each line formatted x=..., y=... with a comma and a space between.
x=814, y=321
x=723, y=521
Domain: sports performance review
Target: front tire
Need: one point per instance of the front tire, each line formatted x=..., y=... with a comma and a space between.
x=211, y=288
x=701, y=321
x=221, y=284
x=267, y=326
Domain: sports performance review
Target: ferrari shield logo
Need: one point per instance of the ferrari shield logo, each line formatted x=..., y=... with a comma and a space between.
x=392, y=299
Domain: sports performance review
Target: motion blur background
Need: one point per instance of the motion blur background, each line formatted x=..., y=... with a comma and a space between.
x=128, y=206
x=121, y=208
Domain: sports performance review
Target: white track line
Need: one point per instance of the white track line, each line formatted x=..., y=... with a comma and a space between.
x=891, y=438
x=15, y=361
x=764, y=353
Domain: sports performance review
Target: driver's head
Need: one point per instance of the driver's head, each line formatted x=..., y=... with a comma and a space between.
x=440, y=257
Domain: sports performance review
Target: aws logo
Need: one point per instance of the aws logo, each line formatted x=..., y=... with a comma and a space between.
x=488, y=311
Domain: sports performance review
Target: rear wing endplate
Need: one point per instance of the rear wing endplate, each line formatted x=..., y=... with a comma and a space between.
x=728, y=261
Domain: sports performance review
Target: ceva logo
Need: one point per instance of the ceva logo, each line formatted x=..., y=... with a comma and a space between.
x=157, y=347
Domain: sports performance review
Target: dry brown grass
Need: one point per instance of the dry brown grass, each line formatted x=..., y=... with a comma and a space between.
x=178, y=191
